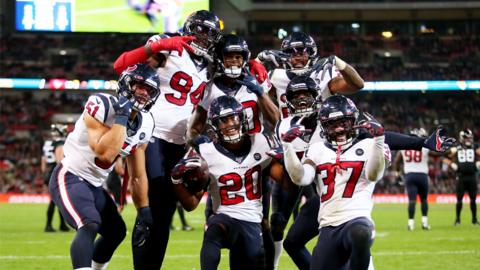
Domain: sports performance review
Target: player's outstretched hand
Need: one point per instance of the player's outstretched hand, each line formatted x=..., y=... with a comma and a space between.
x=142, y=226
x=252, y=84
x=369, y=123
x=122, y=108
x=276, y=153
x=258, y=70
x=438, y=141
x=176, y=43
x=182, y=167
x=278, y=58
x=294, y=132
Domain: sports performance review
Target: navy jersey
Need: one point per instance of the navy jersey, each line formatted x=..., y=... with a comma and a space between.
x=465, y=158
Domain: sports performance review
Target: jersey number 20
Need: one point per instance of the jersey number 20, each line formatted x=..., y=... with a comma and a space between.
x=233, y=183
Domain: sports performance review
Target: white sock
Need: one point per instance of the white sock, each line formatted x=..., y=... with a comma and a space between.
x=99, y=266
x=424, y=220
x=278, y=252
x=370, y=265
x=411, y=223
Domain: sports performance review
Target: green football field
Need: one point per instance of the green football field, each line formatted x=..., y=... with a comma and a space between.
x=24, y=245
x=117, y=16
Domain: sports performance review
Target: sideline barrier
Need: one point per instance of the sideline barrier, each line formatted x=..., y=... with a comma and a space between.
x=378, y=198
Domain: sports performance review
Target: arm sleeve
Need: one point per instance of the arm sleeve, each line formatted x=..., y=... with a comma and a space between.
x=399, y=141
x=301, y=174
x=378, y=160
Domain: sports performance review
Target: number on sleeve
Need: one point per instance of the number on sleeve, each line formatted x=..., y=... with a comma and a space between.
x=92, y=108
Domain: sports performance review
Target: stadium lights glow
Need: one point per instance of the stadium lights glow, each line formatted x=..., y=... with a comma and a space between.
x=355, y=25
x=387, y=54
x=62, y=52
x=281, y=33
x=387, y=34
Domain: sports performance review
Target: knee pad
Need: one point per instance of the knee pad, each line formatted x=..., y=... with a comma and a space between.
x=278, y=224
x=360, y=235
x=215, y=232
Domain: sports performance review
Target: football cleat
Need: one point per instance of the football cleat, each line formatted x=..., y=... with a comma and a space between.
x=410, y=227
x=425, y=227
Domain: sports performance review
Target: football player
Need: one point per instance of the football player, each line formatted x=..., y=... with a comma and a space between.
x=345, y=169
x=303, y=103
x=52, y=155
x=464, y=160
x=232, y=54
x=298, y=56
x=109, y=127
x=415, y=168
x=236, y=162
x=184, y=66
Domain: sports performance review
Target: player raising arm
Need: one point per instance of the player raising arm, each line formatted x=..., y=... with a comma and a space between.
x=110, y=126
x=345, y=169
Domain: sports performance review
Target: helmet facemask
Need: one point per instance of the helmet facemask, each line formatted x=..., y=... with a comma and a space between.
x=339, y=131
x=230, y=66
x=229, y=127
x=466, y=137
x=302, y=103
x=206, y=35
x=299, y=60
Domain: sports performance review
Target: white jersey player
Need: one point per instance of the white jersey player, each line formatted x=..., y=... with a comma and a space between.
x=236, y=163
x=298, y=56
x=233, y=80
x=415, y=169
x=110, y=126
x=345, y=169
x=81, y=160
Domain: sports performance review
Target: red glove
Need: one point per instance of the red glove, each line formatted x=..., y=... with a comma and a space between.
x=258, y=70
x=371, y=125
x=172, y=44
x=294, y=132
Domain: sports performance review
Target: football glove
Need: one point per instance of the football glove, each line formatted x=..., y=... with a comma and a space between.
x=252, y=84
x=294, y=132
x=122, y=108
x=176, y=43
x=276, y=153
x=438, y=140
x=370, y=124
x=182, y=167
x=278, y=58
x=142, y=227
x=258, y=70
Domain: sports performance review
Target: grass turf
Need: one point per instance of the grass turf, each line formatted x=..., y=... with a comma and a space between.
x=24, y=245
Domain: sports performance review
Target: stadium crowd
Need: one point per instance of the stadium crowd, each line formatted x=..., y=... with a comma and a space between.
x=401, y=57
x=25, y=121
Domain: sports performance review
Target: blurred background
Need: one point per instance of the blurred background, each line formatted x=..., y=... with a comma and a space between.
x=420, y=59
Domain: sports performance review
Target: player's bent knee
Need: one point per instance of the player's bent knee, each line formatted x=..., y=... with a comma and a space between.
x=361, y=235
x=215, y=232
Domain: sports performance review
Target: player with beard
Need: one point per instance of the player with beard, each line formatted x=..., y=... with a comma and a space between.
x=303, y=108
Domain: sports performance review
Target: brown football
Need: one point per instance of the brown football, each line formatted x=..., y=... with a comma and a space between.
x=196, y=179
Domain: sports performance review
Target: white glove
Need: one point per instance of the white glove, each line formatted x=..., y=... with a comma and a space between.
x=454, y=166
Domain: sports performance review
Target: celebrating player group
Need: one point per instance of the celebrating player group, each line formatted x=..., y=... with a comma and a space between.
x=194, y=114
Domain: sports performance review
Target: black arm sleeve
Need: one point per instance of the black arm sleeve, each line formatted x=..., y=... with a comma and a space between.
x=399, y=141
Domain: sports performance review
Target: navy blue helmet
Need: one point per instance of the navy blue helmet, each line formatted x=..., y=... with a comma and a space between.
x=299, y=42
x=231, y=43
x=227, y=111
x=144, y=75
x=338, y=116
x=301, y=95
x=206, y=27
